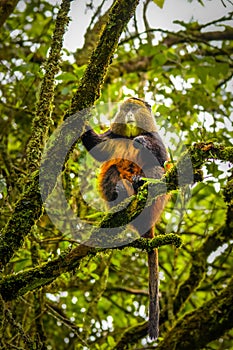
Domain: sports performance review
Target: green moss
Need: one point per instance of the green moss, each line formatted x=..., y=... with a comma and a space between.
x=156, y=242
x=18, y=284
x=187, y=170
x=27, y=211
x=42, y=120
x=207, y=323
x=228, y=192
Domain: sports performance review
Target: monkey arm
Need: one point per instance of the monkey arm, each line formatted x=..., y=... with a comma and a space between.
x=90, y=138
x=94, y=143
x=153, y=151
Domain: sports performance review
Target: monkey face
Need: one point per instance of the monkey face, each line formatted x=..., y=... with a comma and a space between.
x=129, y=113
x=134, y=118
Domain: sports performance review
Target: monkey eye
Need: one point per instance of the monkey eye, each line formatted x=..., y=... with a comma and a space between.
x=127, y=108
x=131, y=107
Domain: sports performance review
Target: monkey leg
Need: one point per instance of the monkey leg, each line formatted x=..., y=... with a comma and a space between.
x=108, y=179
x=115, y=180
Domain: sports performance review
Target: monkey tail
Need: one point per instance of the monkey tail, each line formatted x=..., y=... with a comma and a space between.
x=153, y=294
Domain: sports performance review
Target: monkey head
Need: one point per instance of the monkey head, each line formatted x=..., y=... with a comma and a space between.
x=134, y=118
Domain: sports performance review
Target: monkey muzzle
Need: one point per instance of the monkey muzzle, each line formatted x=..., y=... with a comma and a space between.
x=130, y=118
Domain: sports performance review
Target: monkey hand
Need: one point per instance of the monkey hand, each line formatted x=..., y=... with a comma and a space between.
x=120, y=192
x=140, y=142
x=137, y=182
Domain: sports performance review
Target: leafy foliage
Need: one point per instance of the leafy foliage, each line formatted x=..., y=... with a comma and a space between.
x=100, y=302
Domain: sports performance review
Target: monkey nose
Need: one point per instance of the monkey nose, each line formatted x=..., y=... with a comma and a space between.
x=130, y=118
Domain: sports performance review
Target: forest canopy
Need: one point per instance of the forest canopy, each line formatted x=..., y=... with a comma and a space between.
x=58, y=290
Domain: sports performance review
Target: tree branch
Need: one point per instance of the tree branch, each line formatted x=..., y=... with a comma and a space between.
x=29, y=207
x=41, y=276
x=89, y=89
x=44, y=107
x=15, y=285
x=207, y=323
x=6, y=8
x=195, y=157
x=27, y=211
x=196, y=274
x=19, y=284
x=87, y=93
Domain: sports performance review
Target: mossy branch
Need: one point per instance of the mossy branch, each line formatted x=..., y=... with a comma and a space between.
x=90, y=86
x=187, y=169
x=29, y=207
x=44, y=107
x=196, y=274
x=18, y=284
x=158, y=241
x=185, y=172
x=196, y=156
x=27, y=211
x=88, y=90
x=194, y=330
x=203, y=325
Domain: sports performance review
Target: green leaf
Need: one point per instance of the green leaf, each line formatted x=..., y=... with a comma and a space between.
x=66, y=77
x=159, y=59
x=111, y=341
x=159, y=3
